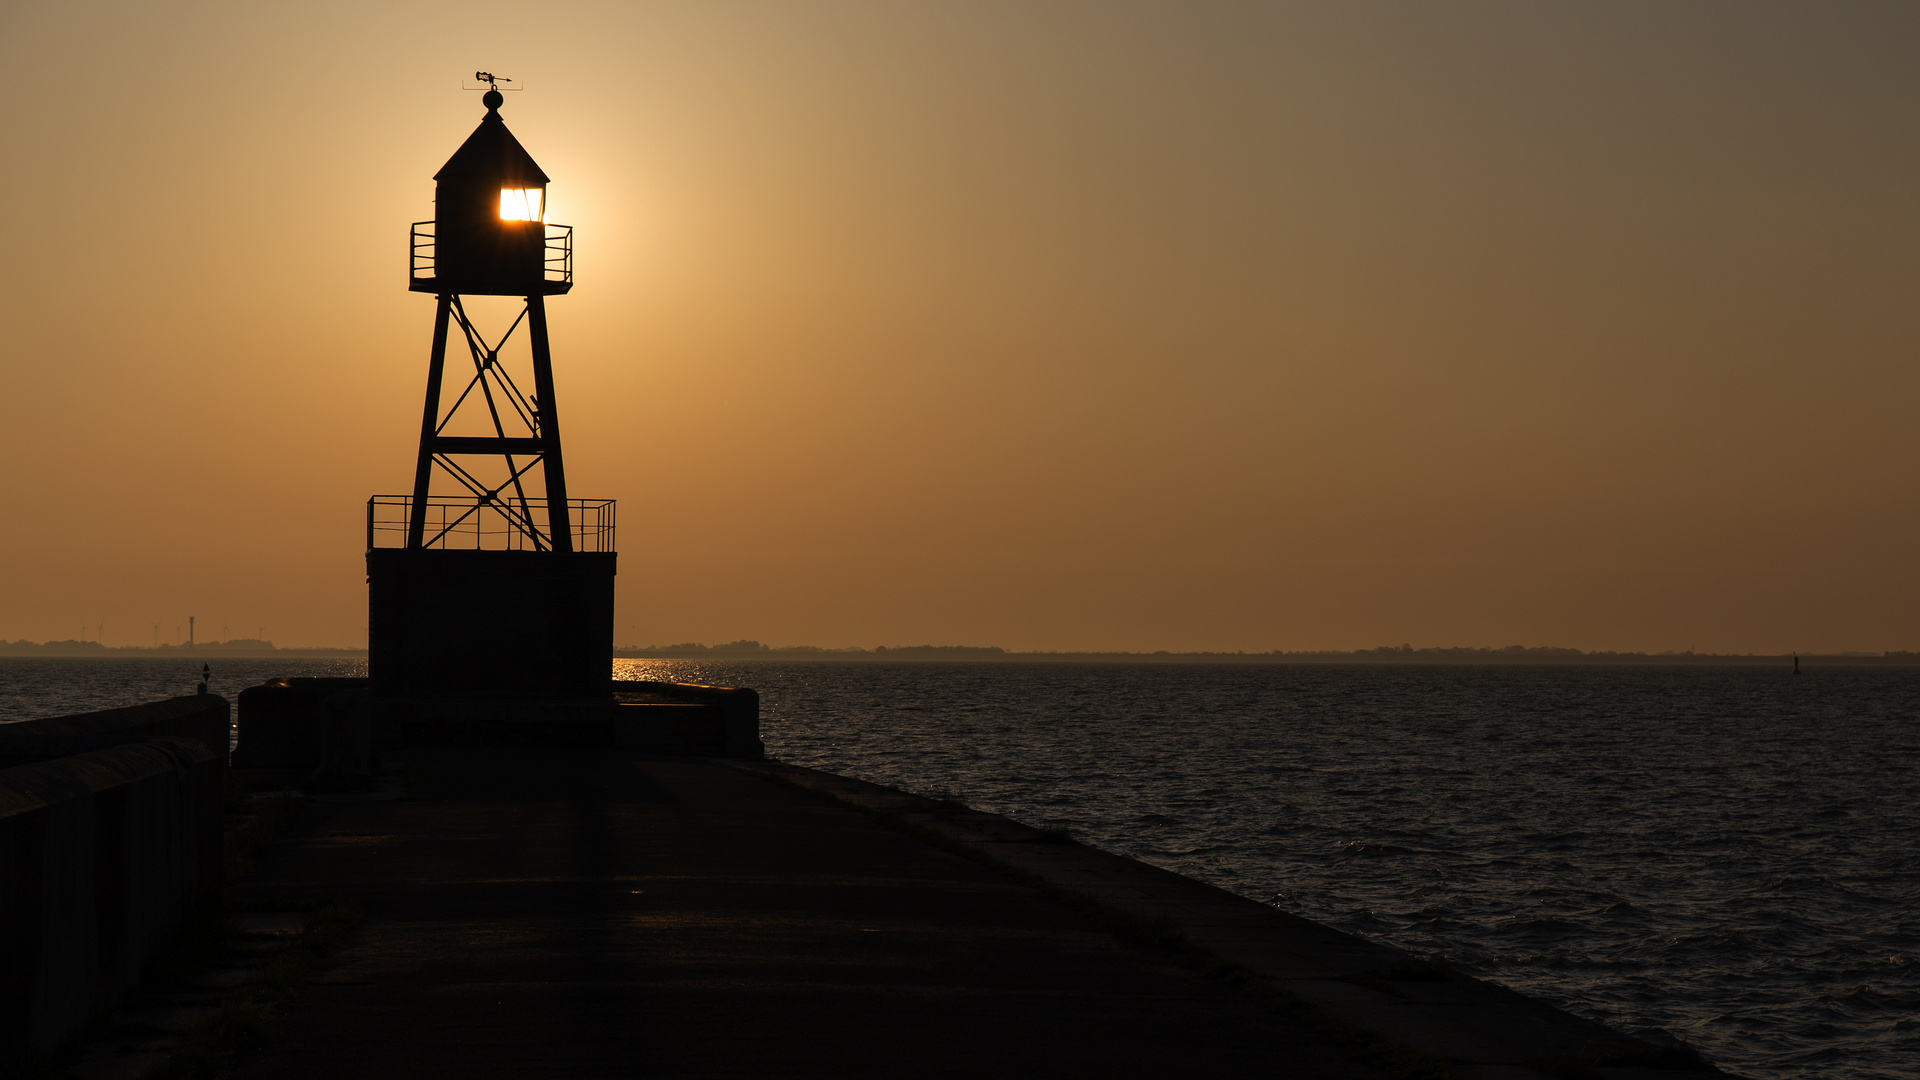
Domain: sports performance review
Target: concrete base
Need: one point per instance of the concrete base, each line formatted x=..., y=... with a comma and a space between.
x=503, y=625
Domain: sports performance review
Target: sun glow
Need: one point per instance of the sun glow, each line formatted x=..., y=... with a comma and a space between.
x=520, y=204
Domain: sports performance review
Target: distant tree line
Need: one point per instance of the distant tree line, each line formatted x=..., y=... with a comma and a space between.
x=235, y=647
x=1385, y=654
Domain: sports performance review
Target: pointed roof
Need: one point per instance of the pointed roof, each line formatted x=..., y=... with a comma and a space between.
x=492, y=151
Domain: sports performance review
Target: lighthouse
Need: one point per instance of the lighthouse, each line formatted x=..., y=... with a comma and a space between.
x=490, y=591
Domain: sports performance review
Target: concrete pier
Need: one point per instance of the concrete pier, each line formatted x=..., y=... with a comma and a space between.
x=551, y=911
x=110, y=837
x=589, y=913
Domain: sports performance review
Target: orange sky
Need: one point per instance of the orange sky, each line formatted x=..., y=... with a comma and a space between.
x=1056, y=326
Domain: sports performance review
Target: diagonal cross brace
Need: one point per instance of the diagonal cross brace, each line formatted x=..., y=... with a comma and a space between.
x=540, y=445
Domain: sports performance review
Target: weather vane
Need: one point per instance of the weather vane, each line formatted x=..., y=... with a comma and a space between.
x=493, y=81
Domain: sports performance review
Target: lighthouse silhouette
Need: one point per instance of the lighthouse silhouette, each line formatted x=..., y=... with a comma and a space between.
x=490, y=592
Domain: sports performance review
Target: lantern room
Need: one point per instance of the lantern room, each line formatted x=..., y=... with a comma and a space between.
x=489, y=234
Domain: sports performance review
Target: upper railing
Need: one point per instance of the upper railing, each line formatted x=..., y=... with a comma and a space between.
x=559, y=254
x=502, y=523
x=420, y=252
x=556, y=258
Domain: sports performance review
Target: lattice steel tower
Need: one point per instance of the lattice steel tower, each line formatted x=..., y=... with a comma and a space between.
x=503, y=591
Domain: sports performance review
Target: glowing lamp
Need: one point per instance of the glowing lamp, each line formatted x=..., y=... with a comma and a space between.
x=521, y=204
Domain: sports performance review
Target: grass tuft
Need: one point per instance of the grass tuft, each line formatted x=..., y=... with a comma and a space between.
x=267, y=820
x=247, y=1016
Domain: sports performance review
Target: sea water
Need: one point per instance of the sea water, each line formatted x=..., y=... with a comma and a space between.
x=1729, y=855
x=32, y=687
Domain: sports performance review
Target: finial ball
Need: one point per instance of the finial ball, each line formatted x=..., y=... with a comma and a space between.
x=492, y=99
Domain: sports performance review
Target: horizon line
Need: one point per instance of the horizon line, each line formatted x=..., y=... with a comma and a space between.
x=749, y=649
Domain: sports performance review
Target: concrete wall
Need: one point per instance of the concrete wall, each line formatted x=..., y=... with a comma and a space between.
x=716, y=721
x=679, y=727
x=102, y=857
x=204, y=718
x=110, y=834
x=292, y=723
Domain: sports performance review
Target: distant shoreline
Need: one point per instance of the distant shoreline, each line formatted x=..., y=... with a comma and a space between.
x=738, y=651
x=27, y=649
x=1513, y=655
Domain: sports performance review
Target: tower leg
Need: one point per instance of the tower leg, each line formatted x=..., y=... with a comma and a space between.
x=429, y=426
x=559, y=522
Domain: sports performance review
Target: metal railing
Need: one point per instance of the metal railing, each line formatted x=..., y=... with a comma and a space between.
x=472, y=523
x=420, y=258
x=556, y=262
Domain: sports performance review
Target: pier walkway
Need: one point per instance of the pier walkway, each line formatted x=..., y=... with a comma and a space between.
x=588, y=913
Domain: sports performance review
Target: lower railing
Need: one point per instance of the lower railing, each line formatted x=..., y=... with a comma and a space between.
x=474, y=523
